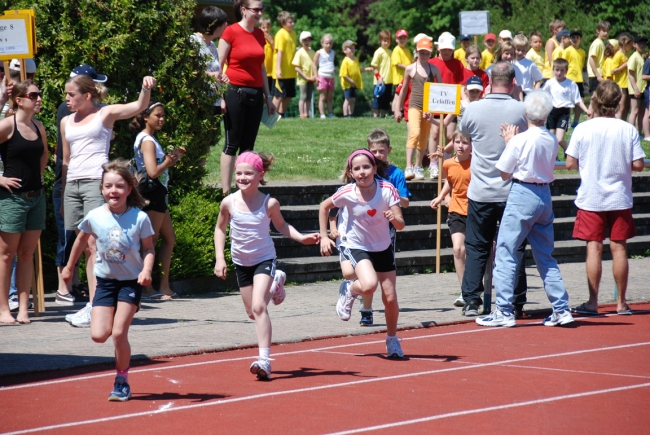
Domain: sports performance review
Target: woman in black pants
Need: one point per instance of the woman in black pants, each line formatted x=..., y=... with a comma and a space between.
x=241, y=47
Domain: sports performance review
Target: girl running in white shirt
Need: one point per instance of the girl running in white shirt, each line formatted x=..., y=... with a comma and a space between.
x=371, y=204
x=250, y=213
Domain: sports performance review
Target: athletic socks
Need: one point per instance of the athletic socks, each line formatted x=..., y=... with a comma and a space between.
x=124, y=374
x=265, y=352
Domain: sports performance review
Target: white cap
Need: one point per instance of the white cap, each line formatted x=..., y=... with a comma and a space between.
x=421, y=36
x=505, y=34
x=305, y=35
x=446, y=41
x=30, y=66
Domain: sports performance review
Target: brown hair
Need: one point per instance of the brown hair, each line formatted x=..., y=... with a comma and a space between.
x=138, y=123
x=535, y=33
x=378, y=136
x=122, y=167
x=504, y=46
x=210, y=19
x=623, y=40
x=471, y=50
x=556, y=25
x=610, y=50
x=604, y=25
x=606, y=99
x=86, y=85
x=382, y=167
x=19, y=91
x=458, y=133
x=561, y=62
x=283, y=17
x=384, y=35
x=237, y=8
x=267, y=161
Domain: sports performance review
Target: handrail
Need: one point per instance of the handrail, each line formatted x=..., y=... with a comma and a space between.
x=562, y=165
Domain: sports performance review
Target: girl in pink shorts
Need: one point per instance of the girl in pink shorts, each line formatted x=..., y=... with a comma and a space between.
x=324, y=70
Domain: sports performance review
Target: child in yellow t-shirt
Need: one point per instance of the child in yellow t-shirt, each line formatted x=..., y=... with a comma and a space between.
x=535, y=53
x=576, y=57
x=487, y=56
x=555, y=27
x=265, y=25
x=618, y=70
x=350, y=74
x=465, y=41
x=303, y=61
x=285, y=73
x=636, y=85
x=401, y=57
x=381, y=67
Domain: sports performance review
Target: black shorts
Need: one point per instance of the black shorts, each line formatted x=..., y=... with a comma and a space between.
x=287, y=86
x=457, y=223
x=245, y=274
x=109, y=291
x=346, y=254
x=271, y=82
x=384, y=101
x=157, y=198
x=382, y=261
x=559, y=118
x=581, y=89
x=350, y=93
x=593, y=84
x=625, y=91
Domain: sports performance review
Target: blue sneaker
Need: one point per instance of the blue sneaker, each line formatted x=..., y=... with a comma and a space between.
x=121, y=391
x=366, y=317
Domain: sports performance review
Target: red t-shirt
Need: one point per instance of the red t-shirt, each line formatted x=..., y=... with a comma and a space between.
x=452, y=71
x=485, y=79
x=246, y=56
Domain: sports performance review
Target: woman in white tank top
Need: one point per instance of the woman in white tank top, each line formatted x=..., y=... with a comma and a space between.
x=86, y=136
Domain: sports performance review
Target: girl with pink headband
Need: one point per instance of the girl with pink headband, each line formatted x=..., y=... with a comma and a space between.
x=250, y=213
x=372, y=203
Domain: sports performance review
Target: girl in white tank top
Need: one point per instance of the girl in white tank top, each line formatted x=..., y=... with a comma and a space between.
x=250, y=213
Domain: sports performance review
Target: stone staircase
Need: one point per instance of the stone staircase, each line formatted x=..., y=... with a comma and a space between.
x=416, y=244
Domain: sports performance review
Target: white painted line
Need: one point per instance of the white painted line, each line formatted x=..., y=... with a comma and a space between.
x=326, y=387
x=584, y=372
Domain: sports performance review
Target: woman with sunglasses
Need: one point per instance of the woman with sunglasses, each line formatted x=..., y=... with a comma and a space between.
x=23, y=149
x=85, y=140
x=241, y=47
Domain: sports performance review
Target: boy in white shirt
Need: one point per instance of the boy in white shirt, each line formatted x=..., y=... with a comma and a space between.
x=566, y=96
x=531, y=76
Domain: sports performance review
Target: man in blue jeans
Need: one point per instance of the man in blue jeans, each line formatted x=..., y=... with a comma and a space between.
x=529, y=160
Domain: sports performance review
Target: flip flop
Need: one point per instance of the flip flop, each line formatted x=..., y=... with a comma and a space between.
x=582, y=309
x=626, y=312
x=165, y=297
x=155, y=296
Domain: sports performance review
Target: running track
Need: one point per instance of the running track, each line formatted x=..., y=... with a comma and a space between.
x=592, y=377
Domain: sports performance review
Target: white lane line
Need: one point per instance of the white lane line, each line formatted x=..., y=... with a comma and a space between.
x=491, y=408
x=323, y=387
x=585, y=372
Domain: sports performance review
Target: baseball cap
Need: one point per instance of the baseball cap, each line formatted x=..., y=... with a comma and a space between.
x=474, y=82
x=424, y=44
x=505, y=34
x=614, y=42
x=576, y=32
x=465, y=38
x=401, y=33
x=348, y=43
x=490, y=36
x=304, y=35
x=30, y=65
x=446, y=41
x=89, y=71
x=640, y=38
x=564, y=33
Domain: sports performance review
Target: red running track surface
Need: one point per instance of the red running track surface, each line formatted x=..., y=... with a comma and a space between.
x=591, y=377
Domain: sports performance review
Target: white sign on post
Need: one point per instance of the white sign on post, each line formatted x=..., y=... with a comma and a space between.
x=441, y=98
x=15, y=36
x=474, y=22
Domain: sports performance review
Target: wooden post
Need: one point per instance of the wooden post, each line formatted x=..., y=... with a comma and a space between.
x=476, y=40
x=23, y=70
x=441, y=145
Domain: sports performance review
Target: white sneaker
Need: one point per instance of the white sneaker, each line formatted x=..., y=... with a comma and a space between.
x=419, y=173
x=433, y=171
x=459, y=302
x=277, y=290
x=497, y=318
x=647, y=139
x=393, y=348
x=13, y=302
x=69, y=317
x=408, y=173
x=83, y=319
x=261, y=368
x=345, y=302
x=558, y=318
x=323, y=117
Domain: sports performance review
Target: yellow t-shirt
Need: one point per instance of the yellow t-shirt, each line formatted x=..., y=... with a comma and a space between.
x=547, y=72
x=606, y=68
x=268, y=59
x=597, y=50
x=304, y=59
x=400, y=56
x=635, y=68
x=621, y=77
x=381, y=61
x=460, y=55
x=350, y=68
x=486, y=59
x=285, y=42
x=576, y=59
x=537, y=57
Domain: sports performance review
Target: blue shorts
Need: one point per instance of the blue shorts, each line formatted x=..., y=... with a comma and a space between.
x=350, y=93
x=110, y=291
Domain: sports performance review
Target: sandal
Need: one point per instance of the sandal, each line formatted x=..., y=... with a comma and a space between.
x=582, y=309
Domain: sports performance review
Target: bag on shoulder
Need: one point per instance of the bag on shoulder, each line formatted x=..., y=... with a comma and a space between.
x=146, y=184
x=248, y=96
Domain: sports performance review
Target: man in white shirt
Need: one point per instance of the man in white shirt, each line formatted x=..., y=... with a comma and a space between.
x=529, y=159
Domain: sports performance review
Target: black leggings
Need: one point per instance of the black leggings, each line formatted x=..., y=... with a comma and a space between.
x=242, y=122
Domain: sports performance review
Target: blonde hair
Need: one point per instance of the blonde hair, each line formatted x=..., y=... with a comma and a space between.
x=123, y=168
x=520, y=41
x=556, y=25
x=284, y=17
x=264, y=21
x=471, y=50
x=504, y=46
x=86, y=85
x=384, y=35
x=325, y=36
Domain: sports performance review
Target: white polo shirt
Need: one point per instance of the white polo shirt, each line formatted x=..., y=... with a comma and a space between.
x=530, y=156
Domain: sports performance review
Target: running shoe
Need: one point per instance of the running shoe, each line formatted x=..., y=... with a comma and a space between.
x=277, y=291
x=419, y=173
x=433, y=171
x=261, y=368
x=366, y=318
x=331, y=115
x=81, y=312
x=497, y=318
x=83, y=319
x=64, y=299
x=393, y=348
x=408, y=173
x=558, y=318
x=13, y=302
x=345, y=302
x=470, y=309
x=459, y=302
x=121, y=391
x=323, y=117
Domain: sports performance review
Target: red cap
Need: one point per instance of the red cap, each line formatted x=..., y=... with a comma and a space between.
x=491, y=36
x=401, y=32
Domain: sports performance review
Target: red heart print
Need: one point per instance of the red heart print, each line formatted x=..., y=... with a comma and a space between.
x=372, y=212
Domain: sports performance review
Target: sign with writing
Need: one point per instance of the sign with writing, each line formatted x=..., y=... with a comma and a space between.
x=474, y=22
x=441, y=98
x=32, y=17
x=16, y=37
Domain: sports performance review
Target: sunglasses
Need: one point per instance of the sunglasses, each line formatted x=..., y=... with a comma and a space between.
x=256, y=10
x=34, y=95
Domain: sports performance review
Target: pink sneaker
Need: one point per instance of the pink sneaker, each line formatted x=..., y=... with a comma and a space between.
x=277, y=288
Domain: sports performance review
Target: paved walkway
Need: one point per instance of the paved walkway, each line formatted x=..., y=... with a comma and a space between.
x=218, y=320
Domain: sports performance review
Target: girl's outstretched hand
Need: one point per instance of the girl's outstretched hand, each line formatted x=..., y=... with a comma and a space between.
x=220, y=269
x=148, y=82
x=310, y=239
x=326, y=245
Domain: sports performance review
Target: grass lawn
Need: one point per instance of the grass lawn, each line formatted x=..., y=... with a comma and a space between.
x=317, y=149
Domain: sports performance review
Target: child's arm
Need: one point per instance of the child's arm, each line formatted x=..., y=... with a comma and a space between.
x=303, y=75
x=326, y=244
x=79, y=245
x=584, y=108
x=394, y=215
x=144, y=278
x=632, y=79
x=620, y=68
x=402, y=96
x=288, y=230
x=349, y=80
x=278, y=66
x=334, y=231
x=220, y=239
x=446, y=189
x=315, y=63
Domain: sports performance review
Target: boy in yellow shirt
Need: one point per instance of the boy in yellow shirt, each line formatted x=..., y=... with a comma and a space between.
x=576, y=57
x=303, y=61
x=401, y=57
x=350, y=74
x=487, y=56
x=465, y=41
x=535, y=53
x=381, y=67
x=636, y=85
x=595, y=56
x=285, y=73
x=554, y=27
